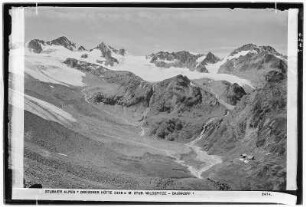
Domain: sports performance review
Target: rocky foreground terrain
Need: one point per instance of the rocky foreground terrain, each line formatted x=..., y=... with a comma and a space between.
x=94, y=121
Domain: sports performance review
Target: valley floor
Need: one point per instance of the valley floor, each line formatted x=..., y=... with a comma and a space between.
x=102, y=149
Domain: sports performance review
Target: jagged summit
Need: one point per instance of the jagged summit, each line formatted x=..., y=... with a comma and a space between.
x=102, y=45
x=255, y=48
x=211, y=58
x=81, y=48
x=61, y=39
x=36, y=45
x=107, y=49
x=65, y=42
x=246, y=47
x=255, y=63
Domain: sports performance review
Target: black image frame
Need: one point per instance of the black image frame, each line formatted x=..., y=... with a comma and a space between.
x=7, y=179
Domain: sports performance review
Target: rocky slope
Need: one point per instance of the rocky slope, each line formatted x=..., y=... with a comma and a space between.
x=257, y=127
x=108, y=53
x=178, y=109
x=183, y=59
x=229, y=93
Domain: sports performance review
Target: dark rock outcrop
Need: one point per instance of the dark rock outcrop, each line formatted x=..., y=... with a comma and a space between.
x=81, y=48
x=84, y=55
x=275, y=76
x=233, y=93
x=107, y=52
x=35, y=45
x=85, y=66
x=211, y=58
x=63, y=41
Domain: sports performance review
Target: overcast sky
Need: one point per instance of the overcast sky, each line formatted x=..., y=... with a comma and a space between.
x=147, y=30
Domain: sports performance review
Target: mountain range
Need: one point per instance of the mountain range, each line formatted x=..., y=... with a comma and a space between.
x=104, y=118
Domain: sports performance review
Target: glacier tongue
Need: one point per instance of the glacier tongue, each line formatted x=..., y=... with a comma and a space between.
x=41, y=108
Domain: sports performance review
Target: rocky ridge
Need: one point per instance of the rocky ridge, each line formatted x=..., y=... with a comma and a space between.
x=183, y=59
x=37, y=45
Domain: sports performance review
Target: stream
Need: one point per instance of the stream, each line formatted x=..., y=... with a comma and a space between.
x=197, y=160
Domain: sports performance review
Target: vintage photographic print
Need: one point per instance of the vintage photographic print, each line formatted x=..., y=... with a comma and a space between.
x=152, y=101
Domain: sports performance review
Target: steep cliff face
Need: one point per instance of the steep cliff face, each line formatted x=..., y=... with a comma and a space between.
x=108, y=53
x=232, y=93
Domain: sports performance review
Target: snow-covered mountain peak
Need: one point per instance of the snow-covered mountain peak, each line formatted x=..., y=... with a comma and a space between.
x=246, y=47
x=211, y=58
x=38, y=46
x=81, y=48
x=65, y=42
x=108, y=50
x=254, y=49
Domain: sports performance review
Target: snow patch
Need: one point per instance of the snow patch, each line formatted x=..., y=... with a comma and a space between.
x=214, y=68
x=194, y=53
x=166, y=61
x=200, y=59
x=50, y=68
x=241, y=53
x=40, y=108
x=94, y=56
x=280, y=57
x=192, y=84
